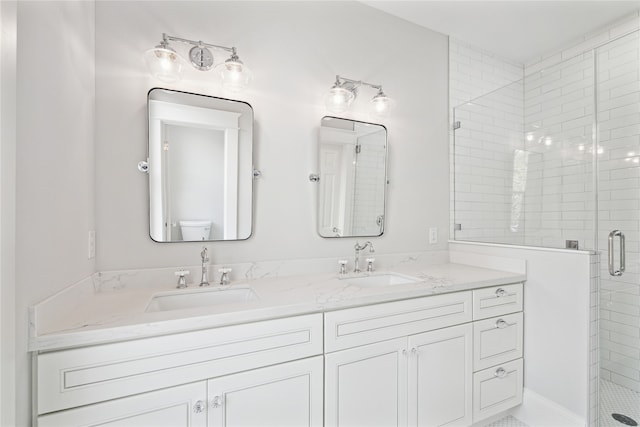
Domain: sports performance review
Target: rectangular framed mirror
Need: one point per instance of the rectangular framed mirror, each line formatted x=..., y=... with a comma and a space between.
x=200, y=166
x=352, y=172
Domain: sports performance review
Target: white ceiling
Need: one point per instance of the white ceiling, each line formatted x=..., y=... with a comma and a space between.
x=514, y=29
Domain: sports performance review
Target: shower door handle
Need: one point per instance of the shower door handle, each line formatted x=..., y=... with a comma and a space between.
x=612, y=270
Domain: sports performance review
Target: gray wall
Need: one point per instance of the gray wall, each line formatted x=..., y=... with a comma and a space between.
x=81, y=129
x=55, y=176
x=295, y=50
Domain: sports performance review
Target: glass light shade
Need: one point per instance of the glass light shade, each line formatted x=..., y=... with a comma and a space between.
x=164, y=64
x=338, y=99
x=381, y=104
x=235, y=75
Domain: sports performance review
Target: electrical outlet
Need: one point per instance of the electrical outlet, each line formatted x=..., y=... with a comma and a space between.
x=433, y=235
x=92, y=244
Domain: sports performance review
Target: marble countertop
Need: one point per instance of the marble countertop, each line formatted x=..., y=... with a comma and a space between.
x=88, y=316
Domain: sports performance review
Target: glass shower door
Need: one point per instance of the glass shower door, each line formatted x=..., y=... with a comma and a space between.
x=618, y=158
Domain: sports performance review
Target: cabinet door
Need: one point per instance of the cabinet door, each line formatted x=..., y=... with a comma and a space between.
x=283, y=395
x=172, y=407
x=367, y=386
x=440, y=377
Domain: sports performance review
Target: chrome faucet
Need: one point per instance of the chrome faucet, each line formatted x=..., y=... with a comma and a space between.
x=224, y=276
x=359, y=248
x=205, y=259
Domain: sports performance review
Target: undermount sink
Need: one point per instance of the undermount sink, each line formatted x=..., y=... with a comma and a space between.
x=382, y=279
x=180, y=300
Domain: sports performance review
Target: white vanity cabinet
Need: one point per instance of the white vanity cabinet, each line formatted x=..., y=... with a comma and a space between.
x=498, y=339
x=180, y=406
x=419, y=379
x=367, y=385
x=440, y=380
x=174, y=379
x=289, y=394
x=444, y=360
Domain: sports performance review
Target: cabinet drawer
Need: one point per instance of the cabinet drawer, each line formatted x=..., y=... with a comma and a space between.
x=364, y=325
x=175, y=406
x=497, y=389
x=497, y=340
x=497, y=301
x=92, y=374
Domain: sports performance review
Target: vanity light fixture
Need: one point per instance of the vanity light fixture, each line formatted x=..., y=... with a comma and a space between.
x=344, y=91
x=165, y=64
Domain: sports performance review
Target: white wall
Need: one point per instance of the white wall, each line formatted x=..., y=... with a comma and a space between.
x=55, y=160
x=295, y=50
x=196, y=177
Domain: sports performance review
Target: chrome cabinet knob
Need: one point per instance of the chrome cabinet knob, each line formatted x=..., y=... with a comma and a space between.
x=501, y=324
x=500, y=373
x=216, y=402
x=500, y=292
x=198, y=407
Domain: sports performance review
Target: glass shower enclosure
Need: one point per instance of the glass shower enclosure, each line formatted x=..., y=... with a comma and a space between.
x=553, y=160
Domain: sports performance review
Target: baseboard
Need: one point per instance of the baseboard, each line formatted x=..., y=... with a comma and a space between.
x=538, y=411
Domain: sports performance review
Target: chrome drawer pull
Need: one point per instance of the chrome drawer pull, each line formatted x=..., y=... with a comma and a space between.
x=501, y=324
x=500, y=373
x=500, y=292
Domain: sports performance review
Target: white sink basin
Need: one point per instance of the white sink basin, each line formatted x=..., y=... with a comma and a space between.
x=382, y=279
x=179, y=300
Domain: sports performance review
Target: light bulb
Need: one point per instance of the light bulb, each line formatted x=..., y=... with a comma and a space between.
x=381, y=105
x=164, y=63
x=235, y=75
x=338, y=99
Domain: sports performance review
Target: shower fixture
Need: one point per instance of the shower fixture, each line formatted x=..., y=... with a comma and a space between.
x=344, y=91
x=165, y=64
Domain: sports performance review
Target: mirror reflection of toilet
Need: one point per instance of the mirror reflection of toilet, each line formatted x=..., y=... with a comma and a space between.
x=195, y=230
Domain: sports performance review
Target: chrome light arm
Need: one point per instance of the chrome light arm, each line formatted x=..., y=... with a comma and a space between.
x=166, y=38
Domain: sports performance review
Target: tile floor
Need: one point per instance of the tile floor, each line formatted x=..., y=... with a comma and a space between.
x=613, y=399
x=616, y=399
x=508, y=422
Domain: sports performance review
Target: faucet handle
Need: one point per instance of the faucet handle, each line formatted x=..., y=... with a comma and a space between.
x=224, y=277
x=343, y=266
x=182, y=281
x=204, y=255
x=370, y=264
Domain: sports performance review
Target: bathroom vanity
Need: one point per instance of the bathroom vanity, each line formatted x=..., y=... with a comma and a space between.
x=437, y=352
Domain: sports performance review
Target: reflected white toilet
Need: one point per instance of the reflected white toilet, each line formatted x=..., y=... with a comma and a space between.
x=195, y=230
